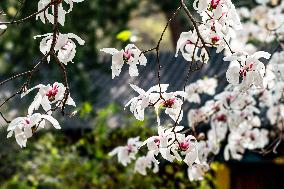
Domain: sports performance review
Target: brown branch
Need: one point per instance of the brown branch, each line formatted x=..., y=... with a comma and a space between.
x=157, y=49
x=32, y=71
x=28, y=17
x=194, y=23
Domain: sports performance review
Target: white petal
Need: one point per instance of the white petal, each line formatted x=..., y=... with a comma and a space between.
x=261, y=54
x=78, y=39
x=10, y=133
x=53, y=121
x=35, y=104
x=137, y=89
x=232, y=75
x=111, y=51
x=71, y=102
x=133, y=71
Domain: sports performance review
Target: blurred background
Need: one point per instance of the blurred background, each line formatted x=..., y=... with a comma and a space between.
x=77, y=156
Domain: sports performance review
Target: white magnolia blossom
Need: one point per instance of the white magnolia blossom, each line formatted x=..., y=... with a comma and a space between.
x=48, y=14
x=47, y=96
x=223, y=11
x=65, y=47
x=247, y=70
x=234, y=113
x=162, y=143
x=219, y=22
x=171, y=145
x=145, y=98
x=198, y=115
x=187, y=45
x=158, y=97
x=202, y=86
x=244, y=138
x=146, y=162
x=261, y=22
x=22, y=127
x=126, y=154
x=131, y=55
x=276, y=65
x=188, y=147
x=172, y=103
x=197, y=171
x=256, y=139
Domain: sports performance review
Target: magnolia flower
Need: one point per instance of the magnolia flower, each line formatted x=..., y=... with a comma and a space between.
x=163, y=143
x=234, y=148
x=191, y=93
x=244, y=137
x=249, y=70
x=197, y=171
x=223, y=11
x=196, y=116
x=275, y=113
x=127, y=153
x=276, y=64
x=131, y=55
x=256, y=139
x=187, y=45
x=205, y=148
x=172, y=105
x=138, y=104
x=219, y=127
x=144, y=162
x=202, y=114
x=64, y=46
x=22, y=126
x=47, y=16
x=188, y=147
x=48, y=95
x=206, y=86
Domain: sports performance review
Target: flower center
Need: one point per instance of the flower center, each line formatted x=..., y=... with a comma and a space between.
x=188, y=42
x=245, y=69
x=127, y=56
x=215, y=39
x=27, y=122
x=222, y=118
x=52, y=93
x=252, y=136
x=184, y=145
x=169, y=103
x=157, y=141
x=129, y=148
x=214, y=4
x=66, y=46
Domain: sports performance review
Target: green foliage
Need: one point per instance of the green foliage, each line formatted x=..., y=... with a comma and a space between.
x=80, y=160
x=86, y=109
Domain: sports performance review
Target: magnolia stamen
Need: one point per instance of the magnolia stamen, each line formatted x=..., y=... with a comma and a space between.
x=184, y=145
x=169, y=103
